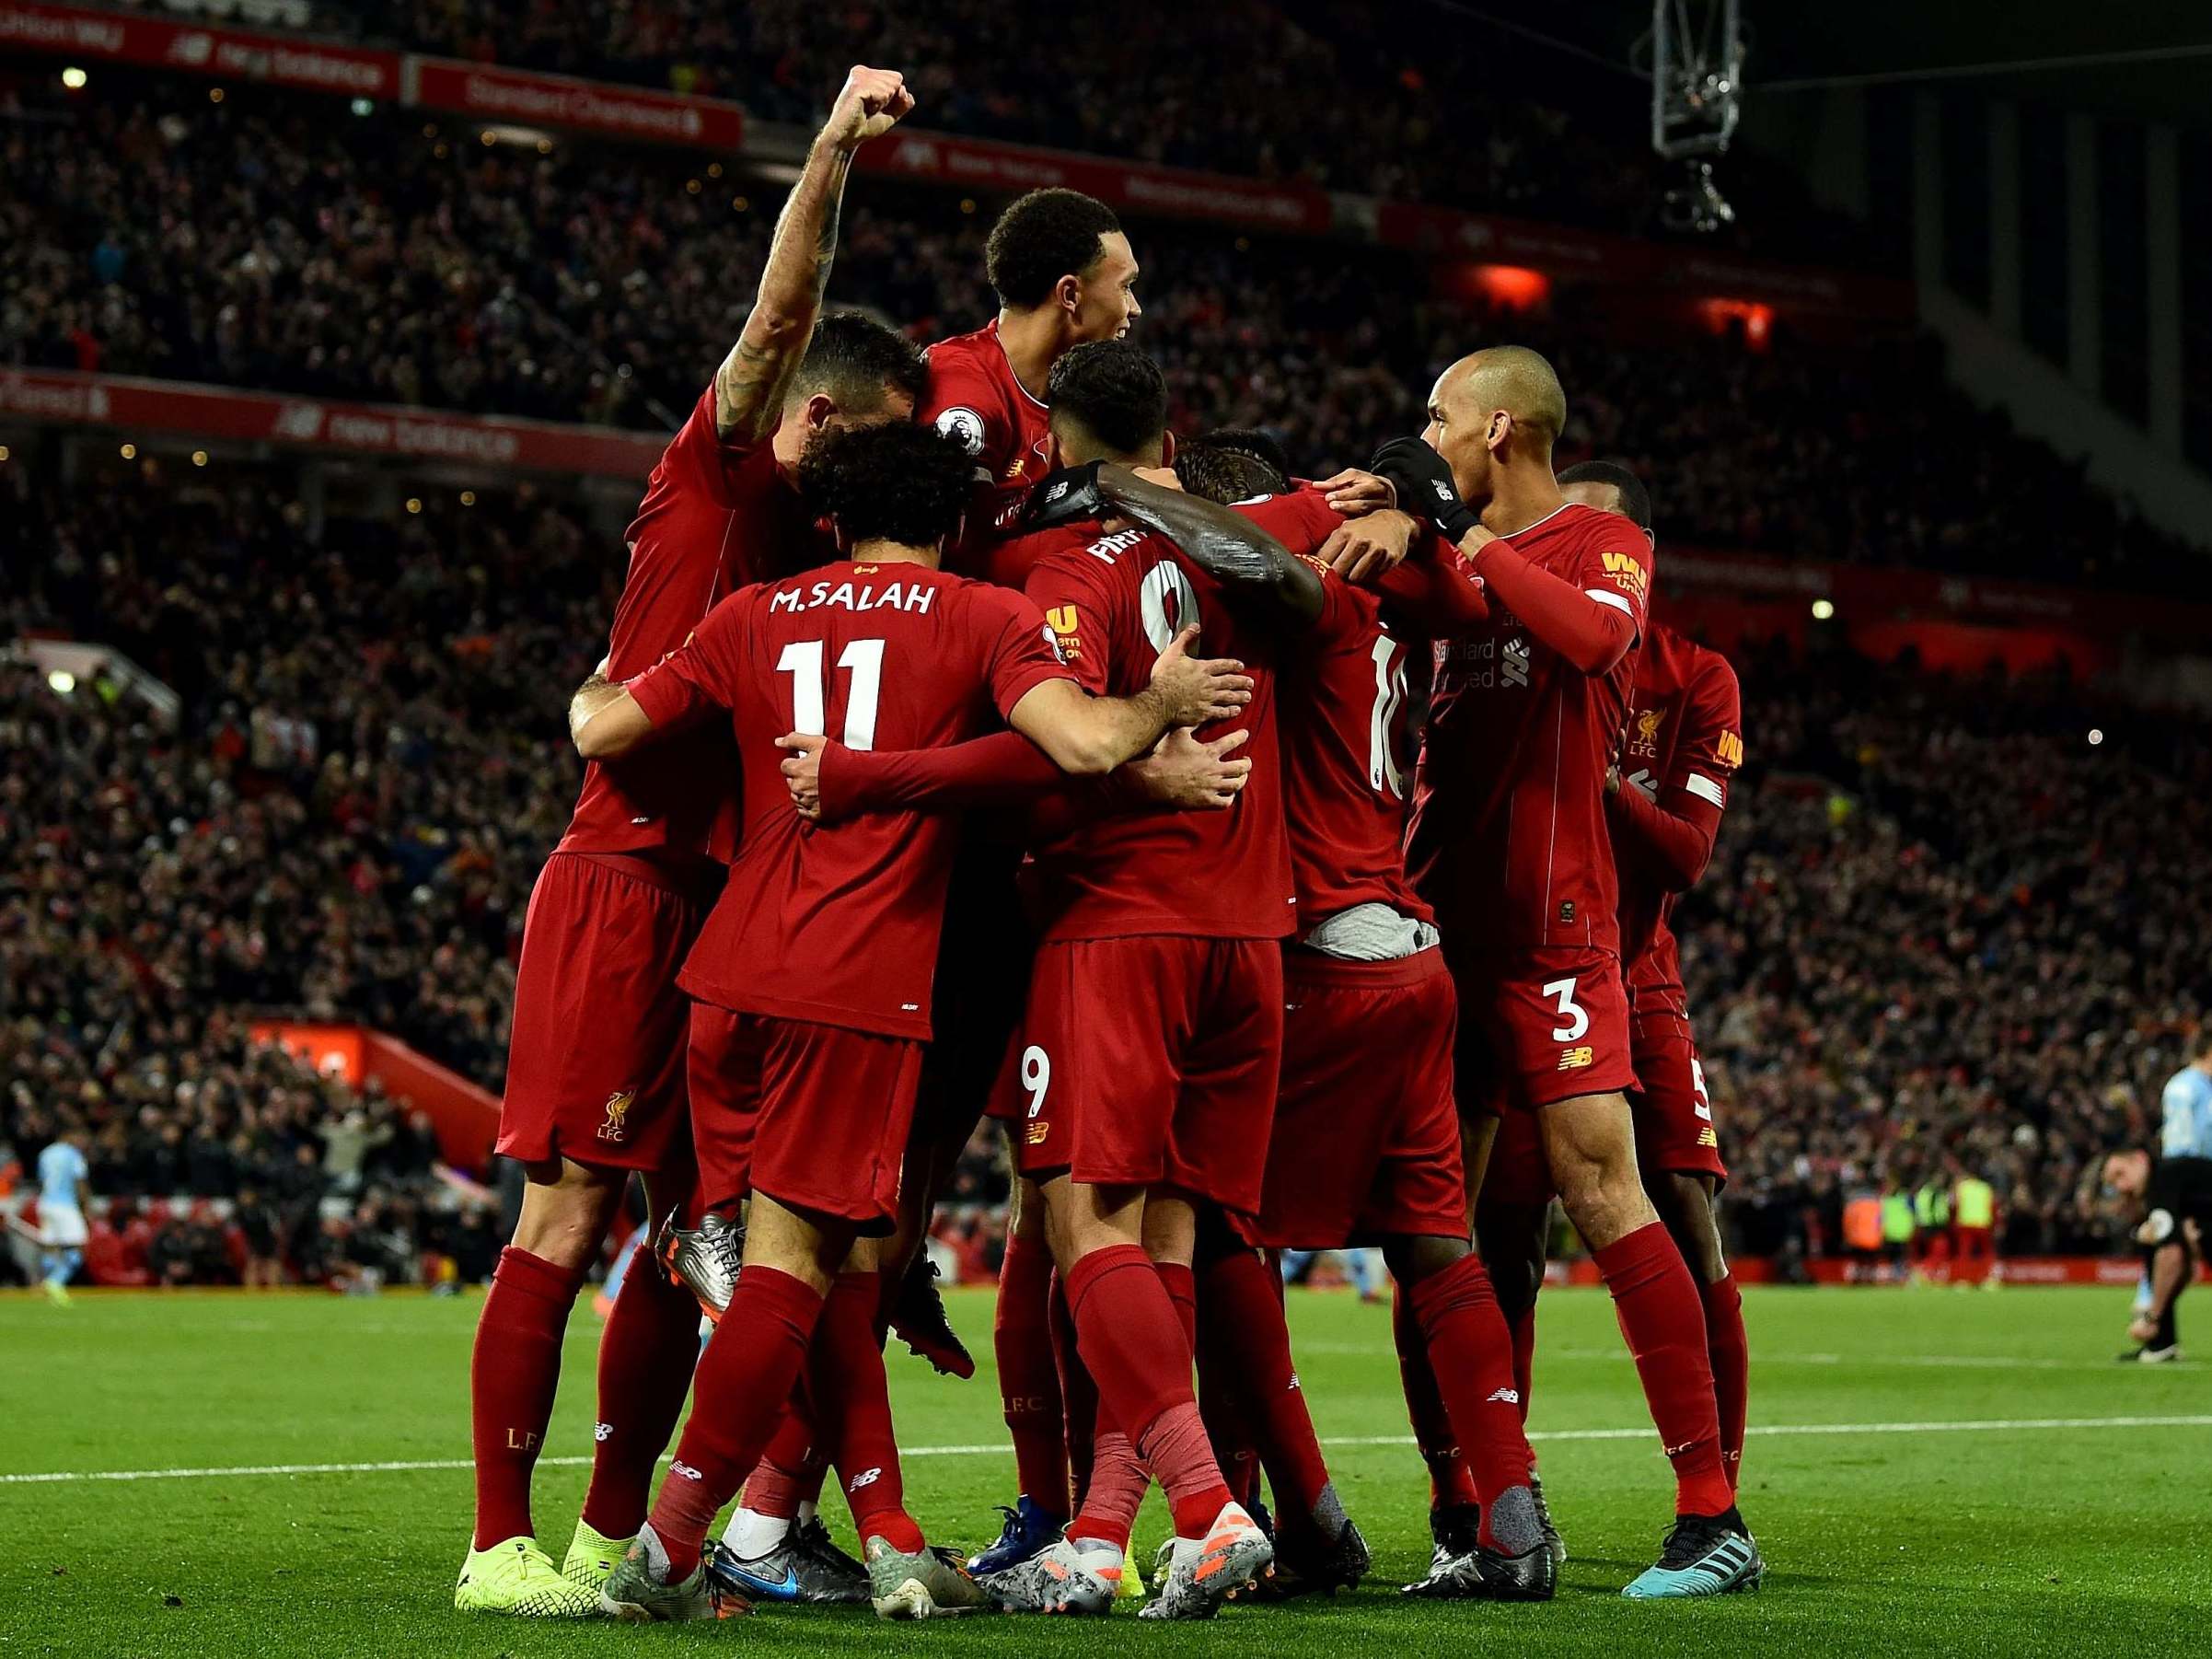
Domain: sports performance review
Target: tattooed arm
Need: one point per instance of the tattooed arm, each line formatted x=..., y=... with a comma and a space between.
x=750, y=387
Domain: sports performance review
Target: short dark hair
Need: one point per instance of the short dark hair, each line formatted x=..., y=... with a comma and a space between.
x=854, y=360
x=1636, y=501
x=1042, y=236
x=1232, y=463
x=892, y=481
x=1114, y=391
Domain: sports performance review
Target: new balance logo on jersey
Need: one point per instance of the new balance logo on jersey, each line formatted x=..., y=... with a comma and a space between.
x=1513, y=661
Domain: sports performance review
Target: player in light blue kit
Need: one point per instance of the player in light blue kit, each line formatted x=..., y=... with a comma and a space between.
x=2186, y=1130
x=62, y=1189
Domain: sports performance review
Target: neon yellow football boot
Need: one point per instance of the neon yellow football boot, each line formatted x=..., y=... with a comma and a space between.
x=516, y=1576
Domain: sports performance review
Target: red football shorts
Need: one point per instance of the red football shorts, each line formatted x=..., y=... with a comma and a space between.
x=1151, y=1061
x=815, y=1117
x=1675, y=1129
x=1540, y=1025
x=596, y=1059
x=1366, y=1139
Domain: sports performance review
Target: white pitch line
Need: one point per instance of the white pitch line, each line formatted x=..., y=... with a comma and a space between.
x=1940, y=1362
x=984, y=1449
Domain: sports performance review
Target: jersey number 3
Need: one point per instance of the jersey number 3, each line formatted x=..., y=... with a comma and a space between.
x=801, y=659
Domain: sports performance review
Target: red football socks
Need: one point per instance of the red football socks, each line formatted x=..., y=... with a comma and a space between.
x=1470, y=1357
x=1663, y=1320
x=512, y=1373
x=1451, y=1481
x=1523, y=1333
x=1078, y=1394
x=790, y=1471
x=1028, y=1379
x=1243, y=1308
x=1132, y=1343
x=1731, y=1354
x=1180, y=1457
x=1116, y=1488
x=1182, y=1286
x=851, y=1401
x=645, y=1359
x=743, y=1380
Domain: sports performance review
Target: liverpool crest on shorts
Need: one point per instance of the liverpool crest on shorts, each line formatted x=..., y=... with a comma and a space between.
x=617, y=1116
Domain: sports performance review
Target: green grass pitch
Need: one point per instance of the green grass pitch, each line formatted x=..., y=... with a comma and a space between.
x=2010, y=1490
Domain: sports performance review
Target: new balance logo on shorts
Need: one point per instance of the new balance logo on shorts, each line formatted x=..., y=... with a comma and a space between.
x=865, y=1477
x=602, y=1430
x=1510, y=1397
x=1574, y=1059
x=686, y=1470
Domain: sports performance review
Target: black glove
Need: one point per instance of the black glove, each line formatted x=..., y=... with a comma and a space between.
x=1424, y=485
x=1072, y=497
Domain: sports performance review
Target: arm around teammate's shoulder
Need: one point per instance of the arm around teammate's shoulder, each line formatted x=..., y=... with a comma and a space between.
x=1087, y=735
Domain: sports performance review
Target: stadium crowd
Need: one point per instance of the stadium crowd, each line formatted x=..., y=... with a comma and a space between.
x=252, y=243
x=346, y=821
x=348, y=824
x=1855, y=951
x=1230, y=98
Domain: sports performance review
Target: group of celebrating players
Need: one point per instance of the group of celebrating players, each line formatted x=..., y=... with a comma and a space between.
x=964, y=742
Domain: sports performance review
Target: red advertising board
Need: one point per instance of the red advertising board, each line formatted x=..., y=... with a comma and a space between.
x=233, y=54
x=491, y=93
x=120, y=401
x=981, y=164
x=1564, y=251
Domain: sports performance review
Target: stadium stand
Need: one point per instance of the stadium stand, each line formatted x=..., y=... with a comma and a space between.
x=252, y=243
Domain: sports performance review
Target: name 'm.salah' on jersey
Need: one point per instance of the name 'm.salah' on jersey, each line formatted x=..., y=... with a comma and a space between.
x=715, y=517
x=840, y=926
x=976, y=396
x=1346, y=733
x=1115, y=602
x=1508, y=839
x=1686, y=731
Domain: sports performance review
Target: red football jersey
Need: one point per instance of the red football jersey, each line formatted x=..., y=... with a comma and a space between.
x=1115, y=602
x=1347, y=734
x=840, y=926
x=1685, y=732
x=976, y=396
x=1508, y=838
x=715, y=517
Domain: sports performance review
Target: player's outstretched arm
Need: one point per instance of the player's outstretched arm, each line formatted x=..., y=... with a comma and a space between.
x=1219, y=541
x=750, y=387
x=604, y=720
x=1086, y=735
x=830, y=783
x=1672, y=835
x=1591, y=634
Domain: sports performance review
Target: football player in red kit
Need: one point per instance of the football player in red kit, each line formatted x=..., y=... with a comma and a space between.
x=1366, y=1143
x=1508, y=842
x=1063, y=271
x=595, y=1077
x=1664, y=803
x=806, y=1050
x=1064, y=274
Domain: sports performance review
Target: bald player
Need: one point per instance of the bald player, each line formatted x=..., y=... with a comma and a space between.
x=1508, y=841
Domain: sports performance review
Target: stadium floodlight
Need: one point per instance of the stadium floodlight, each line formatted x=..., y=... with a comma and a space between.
x=1696, y=100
